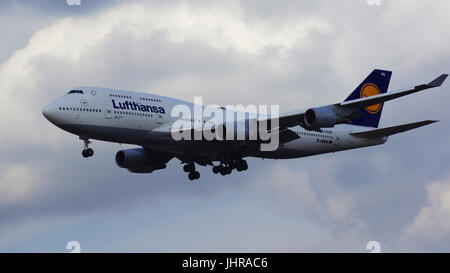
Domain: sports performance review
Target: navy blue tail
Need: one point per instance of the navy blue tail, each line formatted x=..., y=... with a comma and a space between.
x=376, y=83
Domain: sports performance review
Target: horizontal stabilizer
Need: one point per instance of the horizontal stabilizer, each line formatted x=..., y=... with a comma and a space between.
x=383, y=132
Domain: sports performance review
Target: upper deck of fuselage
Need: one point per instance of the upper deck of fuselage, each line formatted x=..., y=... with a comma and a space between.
x=126, y=94
x=138, y=97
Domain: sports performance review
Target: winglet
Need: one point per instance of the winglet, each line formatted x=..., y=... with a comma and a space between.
x=438, y=81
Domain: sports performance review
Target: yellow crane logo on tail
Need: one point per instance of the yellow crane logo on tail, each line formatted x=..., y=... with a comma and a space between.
x=370, y=89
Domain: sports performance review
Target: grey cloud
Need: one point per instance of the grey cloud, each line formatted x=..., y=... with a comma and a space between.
x=59, y=7
x=385, y=184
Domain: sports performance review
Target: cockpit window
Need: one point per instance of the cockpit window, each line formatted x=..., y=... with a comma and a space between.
x=75, y=91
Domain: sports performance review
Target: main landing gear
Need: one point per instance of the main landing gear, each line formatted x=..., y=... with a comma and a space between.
x=87, y=152
x=226, y=168
x=190, y=168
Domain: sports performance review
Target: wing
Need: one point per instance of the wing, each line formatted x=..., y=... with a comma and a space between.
x=286, y=120
x=347, y=111
x=373, y=100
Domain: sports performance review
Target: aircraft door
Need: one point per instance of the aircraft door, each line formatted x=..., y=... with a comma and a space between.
x=108, y=112
x=337, y=139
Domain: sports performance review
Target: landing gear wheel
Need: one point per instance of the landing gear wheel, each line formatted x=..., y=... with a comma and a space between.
x=216, y=169
x=189, y=168
x=233, y=165
x=87, y=153
x=194, y=175
x=191, y=176
x=244, y=165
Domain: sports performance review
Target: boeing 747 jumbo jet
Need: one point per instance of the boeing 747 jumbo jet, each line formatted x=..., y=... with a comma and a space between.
x=155, y=123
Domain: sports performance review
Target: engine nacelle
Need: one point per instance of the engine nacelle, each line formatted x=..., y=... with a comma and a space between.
x=321, y=117
x=132, y=158
x=141, y=160
x=148, y=169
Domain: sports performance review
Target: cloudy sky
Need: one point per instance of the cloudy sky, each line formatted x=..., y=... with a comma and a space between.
x=298, y=54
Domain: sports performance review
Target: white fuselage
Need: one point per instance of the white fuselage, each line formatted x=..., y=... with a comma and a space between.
x=145, y=119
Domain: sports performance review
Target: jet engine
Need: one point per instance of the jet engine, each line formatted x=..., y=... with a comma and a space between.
x=321, y=117
x=142, y=160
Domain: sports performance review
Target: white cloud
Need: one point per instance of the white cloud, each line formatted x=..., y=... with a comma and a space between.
x=18, y=183
x=229, y=53
x=432, y=223
x=69, y=40
x=293, y=191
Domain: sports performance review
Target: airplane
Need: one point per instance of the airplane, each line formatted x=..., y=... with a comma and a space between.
x=145, y=120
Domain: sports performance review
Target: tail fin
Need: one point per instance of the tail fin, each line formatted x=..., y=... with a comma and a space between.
x=376, y=83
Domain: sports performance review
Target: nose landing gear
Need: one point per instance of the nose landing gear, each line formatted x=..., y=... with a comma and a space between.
x=87, y=152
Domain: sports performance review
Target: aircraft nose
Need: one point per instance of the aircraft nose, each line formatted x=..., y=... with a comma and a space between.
x=46, y=111
x=49, y=111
